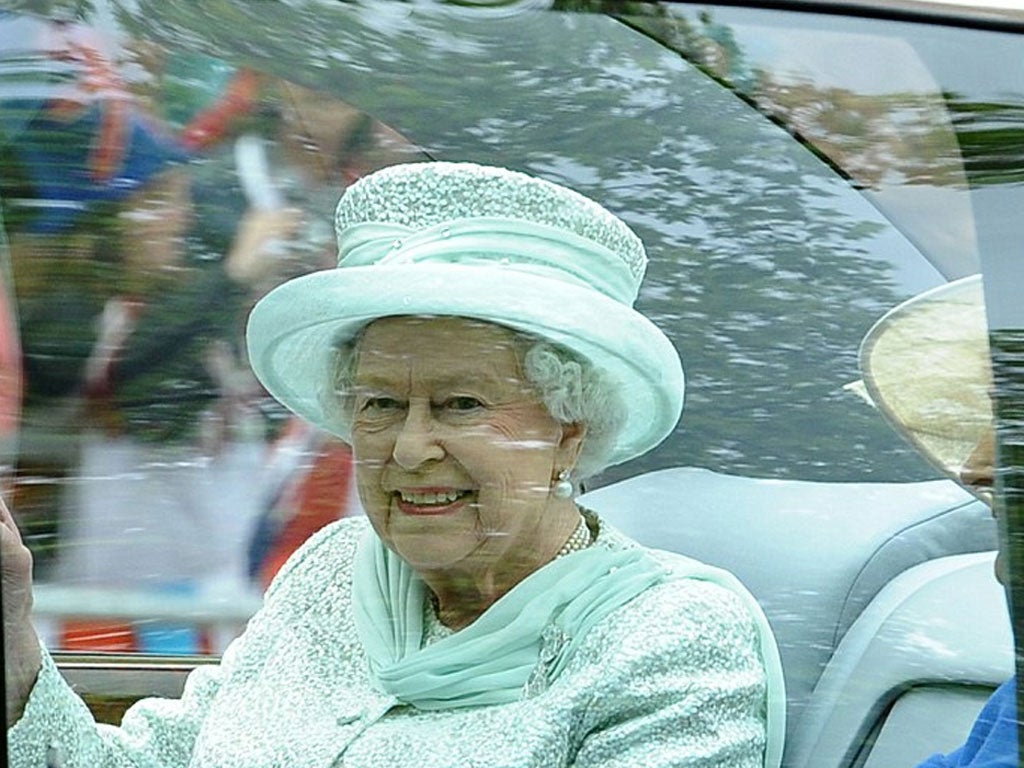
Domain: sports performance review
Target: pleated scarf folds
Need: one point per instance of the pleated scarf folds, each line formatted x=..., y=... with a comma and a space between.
x=489, y=661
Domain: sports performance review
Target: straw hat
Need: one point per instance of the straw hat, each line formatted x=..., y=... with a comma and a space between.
x=464, y=240
x=925, y=364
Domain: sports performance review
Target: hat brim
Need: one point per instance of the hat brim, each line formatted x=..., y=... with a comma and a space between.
x=294, y=329
x=926, y=366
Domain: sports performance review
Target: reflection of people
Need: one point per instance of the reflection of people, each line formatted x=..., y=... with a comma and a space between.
x=926, y=366
x=320, y=146
x=308, y=475
x=477, y=346
x=127, y=325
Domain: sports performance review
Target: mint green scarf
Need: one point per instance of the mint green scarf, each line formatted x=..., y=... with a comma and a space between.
x=491, y=660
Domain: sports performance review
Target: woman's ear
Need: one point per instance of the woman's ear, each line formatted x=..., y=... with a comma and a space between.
x=571, y=443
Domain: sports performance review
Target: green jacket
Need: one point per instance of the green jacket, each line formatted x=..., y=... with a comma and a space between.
x=673, y=678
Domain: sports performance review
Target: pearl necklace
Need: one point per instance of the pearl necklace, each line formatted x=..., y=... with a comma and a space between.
x=579, y=540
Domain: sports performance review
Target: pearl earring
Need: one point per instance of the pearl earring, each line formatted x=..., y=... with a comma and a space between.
x=562, y=488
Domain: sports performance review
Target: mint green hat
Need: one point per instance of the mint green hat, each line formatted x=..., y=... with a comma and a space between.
x=465, y=240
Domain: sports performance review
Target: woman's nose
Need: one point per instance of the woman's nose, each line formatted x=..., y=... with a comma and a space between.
x=417, y=440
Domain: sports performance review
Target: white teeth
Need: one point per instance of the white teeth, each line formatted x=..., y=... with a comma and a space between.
x=446, y=497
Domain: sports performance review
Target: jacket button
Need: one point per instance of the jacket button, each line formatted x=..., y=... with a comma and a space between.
x=55, y=755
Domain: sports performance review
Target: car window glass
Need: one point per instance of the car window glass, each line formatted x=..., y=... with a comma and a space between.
x=778, y=225
x=695, y=184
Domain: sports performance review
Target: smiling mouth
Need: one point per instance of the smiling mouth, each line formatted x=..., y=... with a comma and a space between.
x=431, y=502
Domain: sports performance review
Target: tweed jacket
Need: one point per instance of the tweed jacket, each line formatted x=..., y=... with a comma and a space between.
x=672, y=678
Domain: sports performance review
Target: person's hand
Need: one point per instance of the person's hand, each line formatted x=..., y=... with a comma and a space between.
x=260, y=236
x=22, y=658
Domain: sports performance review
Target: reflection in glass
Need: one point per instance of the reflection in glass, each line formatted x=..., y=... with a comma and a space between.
x=151, y=196
x=766, y=264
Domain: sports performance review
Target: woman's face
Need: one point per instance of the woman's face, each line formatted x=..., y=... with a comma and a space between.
x=455, y=453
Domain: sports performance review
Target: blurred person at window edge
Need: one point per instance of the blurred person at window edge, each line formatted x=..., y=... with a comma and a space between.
x=222, y=113
x=296, y=147
x=477, y=347
x=10, y=376
x=131, y=321
x=926, y=366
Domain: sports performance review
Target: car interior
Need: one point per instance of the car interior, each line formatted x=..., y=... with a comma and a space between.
x=888, y=617
x=876, y=577
x=891, y=628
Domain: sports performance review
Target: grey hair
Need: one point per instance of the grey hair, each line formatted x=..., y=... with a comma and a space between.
x=576, y=392
x=573, y=390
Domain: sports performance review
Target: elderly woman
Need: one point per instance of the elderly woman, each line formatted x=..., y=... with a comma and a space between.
x=478, y=348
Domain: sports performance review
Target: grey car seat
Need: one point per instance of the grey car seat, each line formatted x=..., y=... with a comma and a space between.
x=814, y=554
x=911, y=674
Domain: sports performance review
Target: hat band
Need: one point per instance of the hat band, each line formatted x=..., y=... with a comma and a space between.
x=513, y=244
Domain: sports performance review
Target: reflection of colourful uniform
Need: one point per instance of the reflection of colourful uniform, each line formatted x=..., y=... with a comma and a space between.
x=158, y=500
x=149, y=507
x=79, y=147
x=992, y=742
x=315, y=489
x=77, y=138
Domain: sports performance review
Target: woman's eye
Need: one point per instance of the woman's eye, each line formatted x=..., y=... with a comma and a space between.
x=380, y=404
x=462, y=403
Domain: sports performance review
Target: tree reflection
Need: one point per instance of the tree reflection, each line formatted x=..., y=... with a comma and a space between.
x=766, y=268
x=991, y=136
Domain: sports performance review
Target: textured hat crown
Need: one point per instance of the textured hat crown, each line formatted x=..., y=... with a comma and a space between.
x=422, y=195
